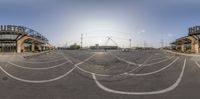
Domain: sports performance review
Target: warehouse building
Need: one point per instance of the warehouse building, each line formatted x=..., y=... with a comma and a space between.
x=21, y=39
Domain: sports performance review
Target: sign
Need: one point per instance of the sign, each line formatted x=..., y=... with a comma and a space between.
x=13, y=28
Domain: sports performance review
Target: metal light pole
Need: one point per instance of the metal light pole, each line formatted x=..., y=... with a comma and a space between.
x=81, y=40
x=130, y=42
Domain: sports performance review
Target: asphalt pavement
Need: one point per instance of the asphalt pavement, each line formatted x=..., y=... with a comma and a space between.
x=87, y=74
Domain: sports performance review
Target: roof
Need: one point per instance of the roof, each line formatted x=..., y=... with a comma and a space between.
x=182, y=40
x=22, y=30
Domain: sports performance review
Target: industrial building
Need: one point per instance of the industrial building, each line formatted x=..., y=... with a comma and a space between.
x=21, y=39
x=189, y=43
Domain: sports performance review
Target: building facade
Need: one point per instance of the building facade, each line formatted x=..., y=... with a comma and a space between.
x=21, y=39
x=189, y=43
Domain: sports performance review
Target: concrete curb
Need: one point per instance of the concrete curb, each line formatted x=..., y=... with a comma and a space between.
x=177, y=53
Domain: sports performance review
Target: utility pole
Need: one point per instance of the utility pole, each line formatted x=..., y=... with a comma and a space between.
x=66, y=45
x=130, y=42
x=162, y=43
x=81, y=40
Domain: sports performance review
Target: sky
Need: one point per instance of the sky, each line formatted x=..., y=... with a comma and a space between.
x=146, y=22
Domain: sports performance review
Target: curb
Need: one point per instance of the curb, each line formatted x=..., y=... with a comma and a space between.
x=177, y=53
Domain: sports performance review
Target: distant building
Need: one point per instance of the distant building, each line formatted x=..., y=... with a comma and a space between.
x=74, y=46
x=189, y=43
x=97, y=47
x=71, y=47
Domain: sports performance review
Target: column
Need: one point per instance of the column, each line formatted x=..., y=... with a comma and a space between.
x=20, y=46
x=183, y=47
x=33, y=47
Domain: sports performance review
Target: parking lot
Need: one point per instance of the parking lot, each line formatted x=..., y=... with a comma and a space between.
x=87, y=74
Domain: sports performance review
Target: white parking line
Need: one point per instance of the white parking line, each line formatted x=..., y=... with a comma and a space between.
x=42, y=68
x=44, y=81
x=197, y=63
x=144, y=74
x=125, y=73
x=129, y=62
x=140, y=65
x=47, y=59
x=42, y=62
x=36, y=81
x=143, y=64
x=158, y=62
x=146, y=65
x=92, y=72
x=86, y=70
x=159, y=58
x=146, y=60
x=172, y=87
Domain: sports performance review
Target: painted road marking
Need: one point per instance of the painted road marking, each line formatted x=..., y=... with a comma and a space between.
x=42, y=62
x=144, y=74
x=36, y=81
x=140, y=65
x=44, y=81
x=172, y=87
x=42, y=68
x=143, y=64
x=159, y=58
x=197, y=63
x=92, y=72
x=119, y=58
x=158, y=62
x=58, y=59
x=46, y=59
x=125, y=73
x=146, y=60
x=86, y=70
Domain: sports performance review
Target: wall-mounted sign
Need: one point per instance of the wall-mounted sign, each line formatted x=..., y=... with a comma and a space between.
x=195, y=29
x=12, y=28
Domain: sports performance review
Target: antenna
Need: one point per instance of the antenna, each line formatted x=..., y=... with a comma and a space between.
x=107, y=41
x=110, y=39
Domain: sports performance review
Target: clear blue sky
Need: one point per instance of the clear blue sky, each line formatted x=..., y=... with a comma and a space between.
x=63, y=21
